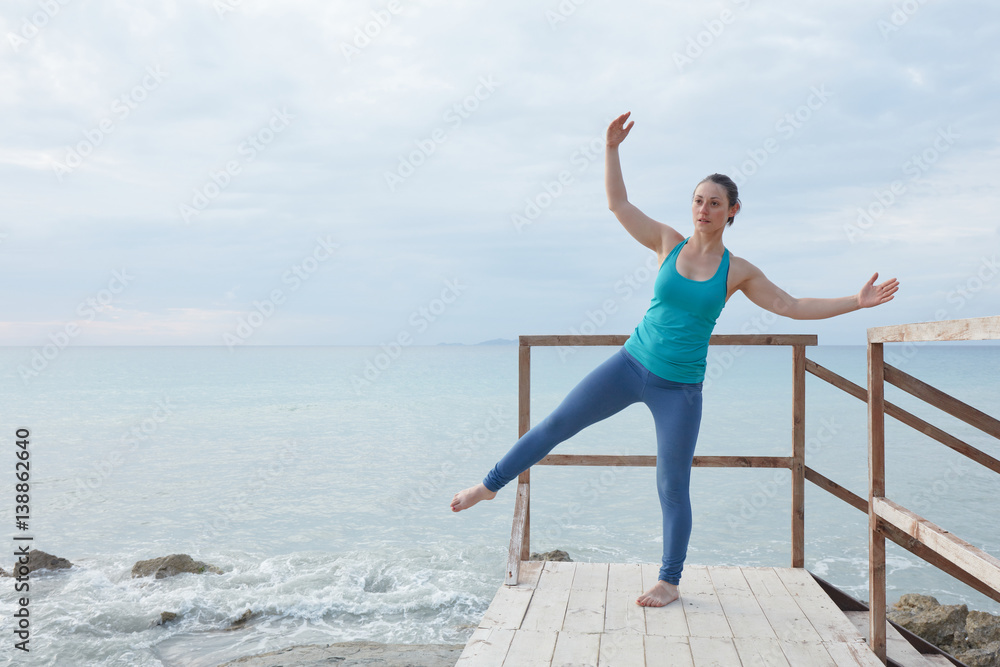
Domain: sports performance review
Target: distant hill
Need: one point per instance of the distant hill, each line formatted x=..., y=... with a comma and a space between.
x=495, y=341
x=499, y=341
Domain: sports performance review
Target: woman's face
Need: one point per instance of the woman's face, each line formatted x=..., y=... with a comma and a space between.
x=710, y=207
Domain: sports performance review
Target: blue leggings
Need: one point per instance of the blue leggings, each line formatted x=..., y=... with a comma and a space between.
x=611, y=387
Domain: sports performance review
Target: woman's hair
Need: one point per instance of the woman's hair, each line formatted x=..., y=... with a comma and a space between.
x=732, y=192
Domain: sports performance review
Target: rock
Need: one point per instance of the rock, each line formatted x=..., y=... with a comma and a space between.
x=556, y=555
x=351, y=654
x=39, y=560
x=165, y=617
x=168, y=566
x=982, y=628
x=241, y=622
x=973, y=637
x=982, y=636
x=980, y=657
x=941, y=625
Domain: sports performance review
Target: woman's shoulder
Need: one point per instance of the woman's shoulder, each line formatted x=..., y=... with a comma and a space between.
x=740, y=269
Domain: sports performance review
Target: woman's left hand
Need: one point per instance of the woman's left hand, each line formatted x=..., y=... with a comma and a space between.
x=875, y=295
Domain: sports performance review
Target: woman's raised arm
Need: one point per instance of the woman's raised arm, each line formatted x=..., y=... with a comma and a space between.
x=752, y=282
x=656, y=236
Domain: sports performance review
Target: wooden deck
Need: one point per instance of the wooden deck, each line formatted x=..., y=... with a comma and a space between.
x=585, y=614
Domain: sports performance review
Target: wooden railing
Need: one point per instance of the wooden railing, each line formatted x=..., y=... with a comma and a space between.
x=889, y=519
x=520, y=532
x=886, y=519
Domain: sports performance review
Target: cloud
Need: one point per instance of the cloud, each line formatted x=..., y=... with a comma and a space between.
x=409, y=100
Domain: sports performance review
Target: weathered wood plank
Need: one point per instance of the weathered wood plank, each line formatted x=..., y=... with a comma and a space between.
x=973, y=560
x=827, y=484
x=591, y=576
x=619, y=339
x=518, y=530
x=897, y=648
x=852, y=654
x=557, y=574
x=838, y=381
x=668, y=651
x=621, y=613
x=787, y=619
x=702, y=609
x=531, y=570
x=746, y=619
x=976, y=328
x=645, y=461
x=625, y=577
x=547, y=609
x=666, y=621
x=762, y=651
x=828, y=621
x=622, y=649
x=585, y=611
x=547, y=340
x=813, y=654
x=714, y=652
x=936, y=559
x=576, y=648
x=523, y=426
x=508, y=608
x=529, y=648
x=876, y=489
x=798, y=465
x=487, y=646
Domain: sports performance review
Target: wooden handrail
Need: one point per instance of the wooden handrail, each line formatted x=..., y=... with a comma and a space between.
x=976, y=328
x=943, y=401
x=911, y=420
x=886, y=519
x=823, y=482
x=521, y=530
x=973, y=560
x=647, y=461
x=619, y=339
x=889, y=519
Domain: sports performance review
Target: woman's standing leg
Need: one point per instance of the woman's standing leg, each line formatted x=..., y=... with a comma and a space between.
x=608, y=389
x=676, y=409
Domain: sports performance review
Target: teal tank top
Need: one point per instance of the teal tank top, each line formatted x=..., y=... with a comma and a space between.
x=672, y=339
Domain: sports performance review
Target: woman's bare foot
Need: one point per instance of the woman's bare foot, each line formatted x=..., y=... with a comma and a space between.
x=465, y=499
x=661, y=594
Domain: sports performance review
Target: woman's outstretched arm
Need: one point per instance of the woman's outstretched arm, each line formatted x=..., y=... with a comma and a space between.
x=656, y=236
x=752, y=282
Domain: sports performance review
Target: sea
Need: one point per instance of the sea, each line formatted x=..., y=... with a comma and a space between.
x=318, y=480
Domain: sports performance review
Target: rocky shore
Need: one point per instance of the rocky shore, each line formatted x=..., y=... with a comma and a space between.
x=973, y=637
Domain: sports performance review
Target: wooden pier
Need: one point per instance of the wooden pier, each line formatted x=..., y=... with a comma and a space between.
x=585, y=613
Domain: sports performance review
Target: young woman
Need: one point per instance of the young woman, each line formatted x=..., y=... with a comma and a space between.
x=663, y=362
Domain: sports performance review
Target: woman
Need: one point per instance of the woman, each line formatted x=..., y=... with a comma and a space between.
x=663, y=362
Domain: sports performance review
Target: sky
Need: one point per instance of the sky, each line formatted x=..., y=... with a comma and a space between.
x=415, y=172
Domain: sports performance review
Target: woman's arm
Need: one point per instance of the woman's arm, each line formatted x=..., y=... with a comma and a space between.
x=656, y=236
x=767, y=295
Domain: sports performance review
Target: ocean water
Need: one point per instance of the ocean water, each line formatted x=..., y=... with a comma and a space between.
x=319, y=479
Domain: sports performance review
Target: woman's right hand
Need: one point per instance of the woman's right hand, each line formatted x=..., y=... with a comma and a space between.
x=618, y=130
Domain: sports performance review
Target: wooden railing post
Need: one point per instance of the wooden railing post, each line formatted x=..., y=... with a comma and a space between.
x=798, y=454
x=876, y=489
x=523, y=425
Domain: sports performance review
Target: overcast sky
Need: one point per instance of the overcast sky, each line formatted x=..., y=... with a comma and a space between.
x=354, y=173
